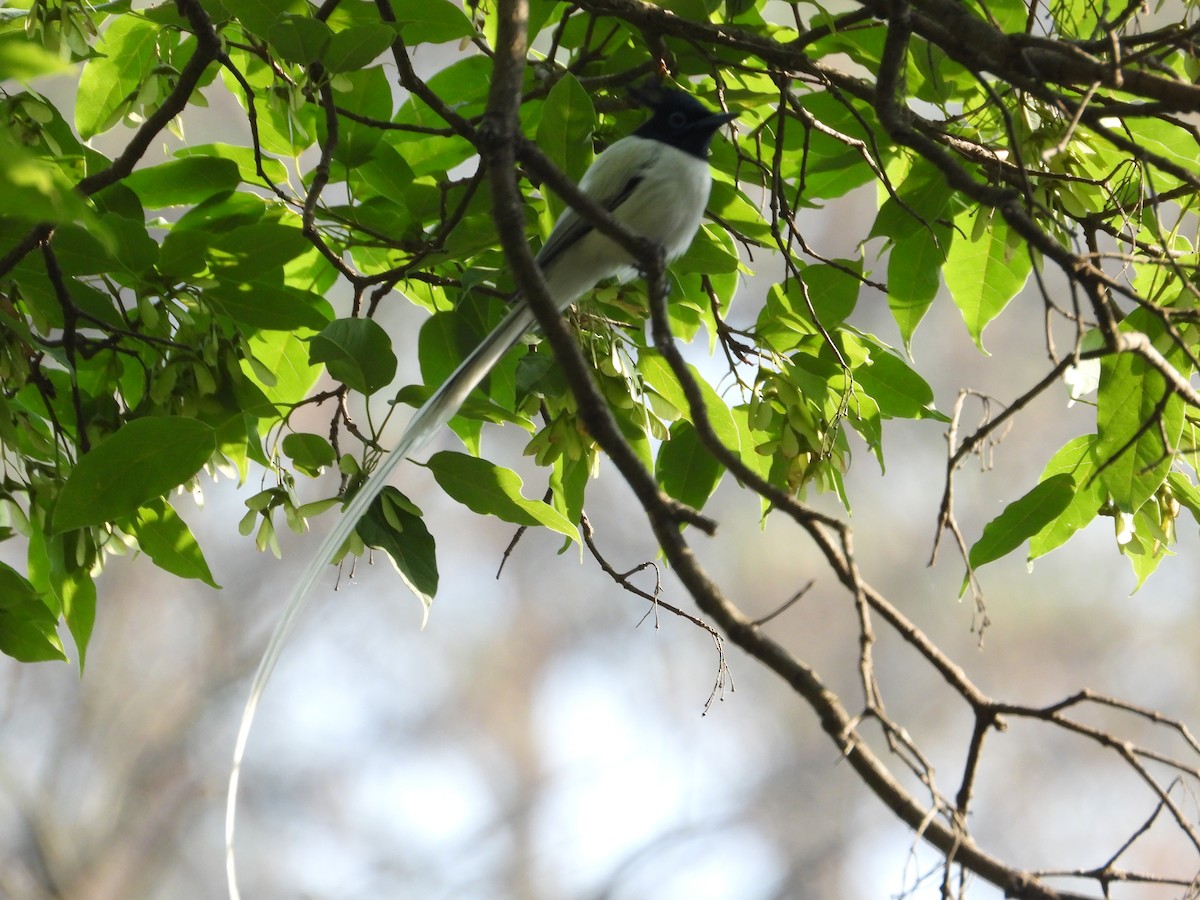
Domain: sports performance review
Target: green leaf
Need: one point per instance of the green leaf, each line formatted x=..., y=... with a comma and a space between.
x=913, y=276
x=259, y=15
x=25, y=641
x=167, y=540
x=219, y=213
x=357, y=352
x=1022, y=519
x=27, y=625
x=1130, y=393
x=1146, y=547
x=983, y=275
x=260, y=248
x=76, y=593
x=490, y=490
x=832, y=290
x=432, y=22
x=299, y=39
x=899, y=391
x=565, y=130
x=733, y=207
x=244, y=158
x=1074, y=458
x=1186, y=493
x=143, y=459
x=368, y=93
x=125, y=53
x=445, y=340
x=35, y=189
x=263, y=305
x=918, y=203
x=309, y=452
x=22, y=59
x=184, y=182
x=659, y=375
x=126, y=247
x=685, y=468
x=284, y=355
x=358, y=46
x=569, y=481
x=750, y=440
x=387, y=173
x=1012, y=15
x=394, y=525
x=828, y=167
x=1164, y=138
x=711, y=253
x=463, y=85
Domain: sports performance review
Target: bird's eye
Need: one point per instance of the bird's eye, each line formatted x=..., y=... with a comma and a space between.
x=677, y=120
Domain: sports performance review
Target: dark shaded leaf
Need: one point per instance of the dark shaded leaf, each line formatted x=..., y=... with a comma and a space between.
x=144, y=459
x=357, y=352
x=393, y=524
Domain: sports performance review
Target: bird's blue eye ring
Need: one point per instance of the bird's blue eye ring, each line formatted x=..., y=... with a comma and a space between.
x=677, y=120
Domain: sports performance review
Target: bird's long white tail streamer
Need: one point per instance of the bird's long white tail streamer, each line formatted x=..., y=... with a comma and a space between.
x=433, y=414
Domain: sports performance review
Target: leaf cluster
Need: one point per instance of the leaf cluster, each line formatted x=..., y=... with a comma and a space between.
x=165, y=322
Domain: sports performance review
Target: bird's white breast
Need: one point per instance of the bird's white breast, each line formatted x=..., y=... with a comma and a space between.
x=666, y=206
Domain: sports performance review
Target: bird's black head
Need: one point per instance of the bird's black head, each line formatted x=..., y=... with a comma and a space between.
x=679, y=119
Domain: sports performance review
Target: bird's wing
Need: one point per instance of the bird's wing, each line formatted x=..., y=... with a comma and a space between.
x=609, y=181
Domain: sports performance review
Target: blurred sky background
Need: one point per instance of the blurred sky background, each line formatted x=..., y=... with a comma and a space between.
x=542, y=738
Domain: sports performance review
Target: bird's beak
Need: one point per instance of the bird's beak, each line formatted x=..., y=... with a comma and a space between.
x=716, y=120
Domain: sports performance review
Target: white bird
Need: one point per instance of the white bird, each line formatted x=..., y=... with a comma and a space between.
x=656, y=183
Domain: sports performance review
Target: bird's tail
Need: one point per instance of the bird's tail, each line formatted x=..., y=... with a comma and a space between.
x=433, y=414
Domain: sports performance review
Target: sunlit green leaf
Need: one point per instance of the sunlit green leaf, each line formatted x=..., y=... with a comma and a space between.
x=34, y=189
x=984, y=273
x=125, y=54
x=899, y=391
x=284, y=356
x=1139, y=423
x=1075, y=458
x=488, y=489
x=913, y=277
x=685, y=468
x=166, y=539
x=21, y=59
x=917, y=204
x=185, y=181
x=1022, y=519
x=659, y=375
